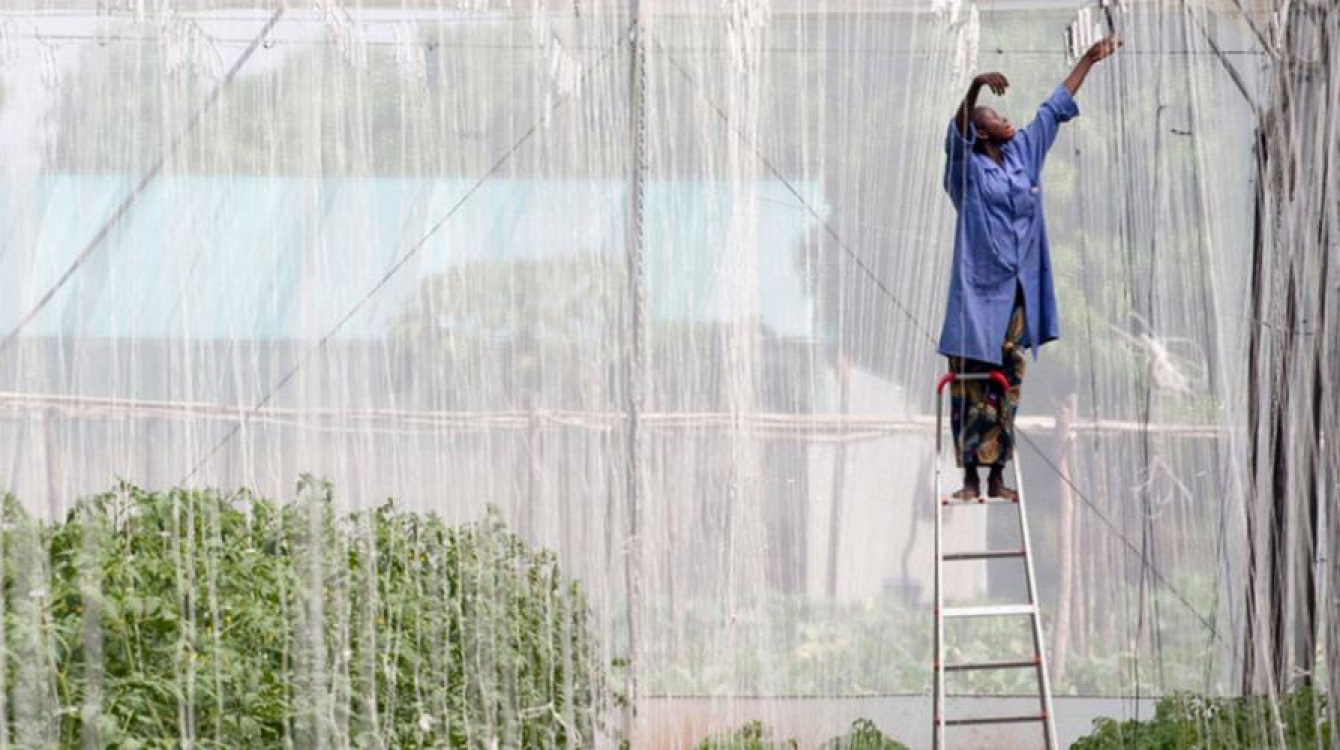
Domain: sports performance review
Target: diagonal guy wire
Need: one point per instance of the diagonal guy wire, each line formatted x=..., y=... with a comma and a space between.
x=1112, y=527
x=828, y=228
x=124, y=208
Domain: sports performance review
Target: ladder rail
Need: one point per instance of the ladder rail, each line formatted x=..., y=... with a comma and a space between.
x=1049, y=721
x=938, y=710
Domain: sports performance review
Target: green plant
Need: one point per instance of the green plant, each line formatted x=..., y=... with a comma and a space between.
x=753, y=735
x=1185, y=720
x=224, y=620
x=863, y=735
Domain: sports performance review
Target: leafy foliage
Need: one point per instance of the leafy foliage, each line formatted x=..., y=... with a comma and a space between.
x=863, y=735
x=754, y=735
x=1185, y=720
x=153, y=619
x=751, y=736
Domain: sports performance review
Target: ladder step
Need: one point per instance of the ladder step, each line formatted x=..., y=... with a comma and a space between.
x=981, y=500
x=1009, y=664
x=994, y=720
x=997, y=610
x=991, y=554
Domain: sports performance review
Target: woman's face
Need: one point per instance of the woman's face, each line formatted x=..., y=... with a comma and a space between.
x=991, y=125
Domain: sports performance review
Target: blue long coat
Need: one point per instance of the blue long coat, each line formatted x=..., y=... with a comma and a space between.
x=1001, y=240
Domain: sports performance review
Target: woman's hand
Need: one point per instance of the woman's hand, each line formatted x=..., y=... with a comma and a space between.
x=995, y=81
x=1102, y=49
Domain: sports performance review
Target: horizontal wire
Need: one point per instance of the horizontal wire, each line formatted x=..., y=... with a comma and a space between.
x=694, y=49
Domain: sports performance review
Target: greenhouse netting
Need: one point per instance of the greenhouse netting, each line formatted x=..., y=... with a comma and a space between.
x=632, y=309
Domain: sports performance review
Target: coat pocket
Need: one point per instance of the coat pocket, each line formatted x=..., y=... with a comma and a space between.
x=990, y=273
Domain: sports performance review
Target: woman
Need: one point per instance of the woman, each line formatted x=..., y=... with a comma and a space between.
x=1000, y=293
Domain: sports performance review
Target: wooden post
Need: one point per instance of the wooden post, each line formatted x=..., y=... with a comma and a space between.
x=842, y=368
x=1065, y=542
x=1085, y=582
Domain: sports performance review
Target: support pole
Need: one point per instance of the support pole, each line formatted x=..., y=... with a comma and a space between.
x=634, y=362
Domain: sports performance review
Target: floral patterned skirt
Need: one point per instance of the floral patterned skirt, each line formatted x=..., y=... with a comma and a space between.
x=983, y=426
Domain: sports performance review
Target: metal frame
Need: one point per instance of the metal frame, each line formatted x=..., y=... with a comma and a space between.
x=1028, y=609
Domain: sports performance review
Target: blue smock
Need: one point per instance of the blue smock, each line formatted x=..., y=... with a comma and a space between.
x=1000, y=243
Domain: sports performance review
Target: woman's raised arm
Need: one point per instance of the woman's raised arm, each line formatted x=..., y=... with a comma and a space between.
x=1101, y=50
x=998, y=84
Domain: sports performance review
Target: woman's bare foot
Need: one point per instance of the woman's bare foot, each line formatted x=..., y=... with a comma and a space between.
x=972, y=486
x=995, y=487
x=969, y=492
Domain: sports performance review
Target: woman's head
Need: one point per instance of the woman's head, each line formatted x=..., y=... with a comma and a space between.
x=991, y=127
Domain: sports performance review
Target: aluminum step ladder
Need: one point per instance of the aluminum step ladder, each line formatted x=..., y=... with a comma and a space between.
x=1029, y=609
